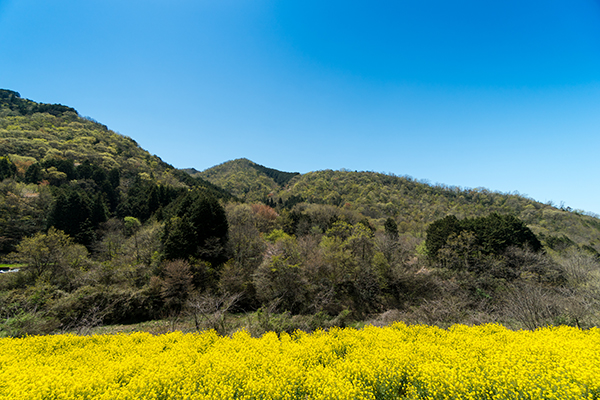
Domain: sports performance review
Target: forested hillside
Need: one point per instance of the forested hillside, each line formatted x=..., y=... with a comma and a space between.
x=69, y=171
x=82, y=207
x=414, y=204
x=411, y=203
x=98, y=231
x=247, y=180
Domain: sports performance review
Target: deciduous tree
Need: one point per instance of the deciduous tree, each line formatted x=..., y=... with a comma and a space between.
x=52, y=254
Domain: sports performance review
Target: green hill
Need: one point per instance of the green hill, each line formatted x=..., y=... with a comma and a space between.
x=415, y=204
x=411, y=203
x=50, y=153
x=32, y=132
x=246, y=180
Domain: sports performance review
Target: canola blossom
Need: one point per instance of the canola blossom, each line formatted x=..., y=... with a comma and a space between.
x=396, y=362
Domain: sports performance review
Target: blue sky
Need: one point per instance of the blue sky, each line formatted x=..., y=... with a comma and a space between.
x=498, y=94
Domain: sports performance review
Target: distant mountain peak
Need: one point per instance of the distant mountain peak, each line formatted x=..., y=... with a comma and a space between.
x=246, y=179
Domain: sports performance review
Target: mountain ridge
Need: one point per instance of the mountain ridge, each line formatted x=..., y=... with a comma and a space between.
x=414, y=203
x=246, y=179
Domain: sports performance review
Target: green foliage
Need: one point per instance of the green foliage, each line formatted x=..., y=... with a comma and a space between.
x=27, y=324
x=197, y=227
x=95, y=174
x=66, y=166
x=280, y=177
x=246, y=248
x=7, y=168
x=558, y=243
x=438, y=233
x=23, y=211
x=391, y=228
x=89, y=306
x=280, y=279
x=309, y=218
x=145, y=198
x=56, y=136
x=246, y=180
x=34, y=174
x=10, y=100
x=162, y=242
x=72, y=213
x=276, y=235
x=132, y=225
x=414, y=204
x=490, y=235
x=197, y=182
x=52, y=256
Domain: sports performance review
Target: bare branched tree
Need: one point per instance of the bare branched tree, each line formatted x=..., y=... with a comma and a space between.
x=212, y=309
x=176, y=287
x=532, y=305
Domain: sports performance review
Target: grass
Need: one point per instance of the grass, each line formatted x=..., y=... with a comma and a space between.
x=256, y=323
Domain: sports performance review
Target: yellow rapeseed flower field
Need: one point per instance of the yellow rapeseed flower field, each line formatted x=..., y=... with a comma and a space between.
x=396, y=362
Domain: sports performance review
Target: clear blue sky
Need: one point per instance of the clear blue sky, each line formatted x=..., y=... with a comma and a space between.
x=502, y=94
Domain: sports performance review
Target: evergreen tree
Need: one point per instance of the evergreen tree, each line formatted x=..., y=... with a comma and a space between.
x=72, y=214
x=66, y=166
x=438, y=232
x=34, y=174
x=198, y=228
x=492, y=234
x=7, y=168
x=391, y=228
x=99, y=211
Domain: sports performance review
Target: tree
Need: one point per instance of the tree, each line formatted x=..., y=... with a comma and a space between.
x=7, y=168
x=178, y=239
x=143, y=199
x=391, y=228
x=176, y=285
x=492, y=234
x=361, y=244
x=132, y=225
x=23, y=212
x=460, y=251
x=438, y=232
x=66, y=166
x=498, y=232
x=198, y=228
x=280, y=276
x=213, y=309
x=246, y=248
x=98, y=211
x=53, y=254
x=72, y=213
x=347, y=253
x=34, y=173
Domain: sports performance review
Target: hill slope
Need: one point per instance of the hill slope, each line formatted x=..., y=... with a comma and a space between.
x=415, y=204
x=49, y=155
x=35, y=132
x=247, y=180
x=411, y=203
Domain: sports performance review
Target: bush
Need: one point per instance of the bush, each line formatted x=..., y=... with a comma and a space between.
x=93, y=305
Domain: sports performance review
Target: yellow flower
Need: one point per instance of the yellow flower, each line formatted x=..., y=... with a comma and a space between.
x=400, y=361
